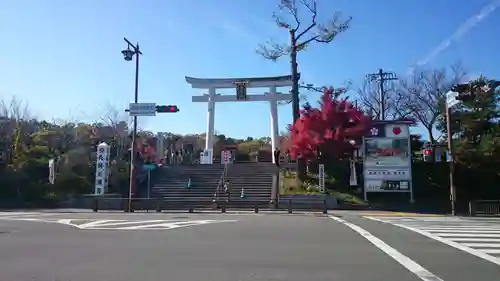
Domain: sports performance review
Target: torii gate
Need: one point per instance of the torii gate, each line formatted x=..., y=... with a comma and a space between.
x=241, y=85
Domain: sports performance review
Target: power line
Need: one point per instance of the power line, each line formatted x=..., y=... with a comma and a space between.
x=381, y=77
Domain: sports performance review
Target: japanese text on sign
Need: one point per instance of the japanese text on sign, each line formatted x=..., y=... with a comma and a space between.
x=101, y=172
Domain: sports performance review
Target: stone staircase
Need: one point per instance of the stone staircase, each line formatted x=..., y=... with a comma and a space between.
x=256, y=179
x=171, y=182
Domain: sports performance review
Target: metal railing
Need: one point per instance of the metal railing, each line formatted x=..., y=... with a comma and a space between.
x=220, y=184
x=484, y=208
x=180, y=204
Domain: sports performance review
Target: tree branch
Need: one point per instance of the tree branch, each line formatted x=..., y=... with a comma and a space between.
x=312, y=9
x=324, y=34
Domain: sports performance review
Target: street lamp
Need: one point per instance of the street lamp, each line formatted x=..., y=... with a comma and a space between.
x=128, y=55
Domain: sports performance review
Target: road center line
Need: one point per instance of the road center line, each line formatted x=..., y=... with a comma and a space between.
x=405, y=261
x=450, y=243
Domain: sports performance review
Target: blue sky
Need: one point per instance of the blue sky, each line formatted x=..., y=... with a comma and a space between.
x=63, y=57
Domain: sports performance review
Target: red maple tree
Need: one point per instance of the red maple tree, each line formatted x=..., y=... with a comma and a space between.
x=332, y=128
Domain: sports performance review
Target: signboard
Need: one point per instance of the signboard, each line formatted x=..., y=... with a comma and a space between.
x=206, y=157
x=149, y=166
x=101, y=172
x=226, y=157
x=142, y=109
x=387, y=185
x=321, y=178
x=387, y=158
x=386, y=152
x=451, y=100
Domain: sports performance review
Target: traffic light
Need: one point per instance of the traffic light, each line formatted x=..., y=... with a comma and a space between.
x=464, y=91
x=167, y=108
x=319, y=155
x=427, y=155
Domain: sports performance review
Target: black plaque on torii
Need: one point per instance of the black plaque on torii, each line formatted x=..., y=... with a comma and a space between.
x=241, y=89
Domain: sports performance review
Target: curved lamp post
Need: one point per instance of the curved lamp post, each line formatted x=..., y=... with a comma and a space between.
x=128, y=55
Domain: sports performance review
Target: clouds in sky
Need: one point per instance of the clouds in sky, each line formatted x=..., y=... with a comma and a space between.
x=469, y=24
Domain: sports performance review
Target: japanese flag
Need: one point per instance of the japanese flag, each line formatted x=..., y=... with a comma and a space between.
x=397, y=131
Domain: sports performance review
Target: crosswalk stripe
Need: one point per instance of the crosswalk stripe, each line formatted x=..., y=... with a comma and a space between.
x=491, y=251
x=482, y=245
x=461, y=231
x=476, y=239
x=469, y=235
x=479, y=238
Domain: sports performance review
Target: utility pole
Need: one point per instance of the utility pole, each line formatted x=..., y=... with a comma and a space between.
x=381, y=77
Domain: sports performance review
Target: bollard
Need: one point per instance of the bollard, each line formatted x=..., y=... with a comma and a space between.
x=158, y=206
x=472, y=209
x=256, y=208
x=95, y=206
x=290, y=206
x=223, y=208
x=125, y=206
x=325, y=207
x=191, y=209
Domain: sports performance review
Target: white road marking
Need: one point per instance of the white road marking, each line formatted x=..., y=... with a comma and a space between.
x=462, y=234
x=495, y=240
x=405, y=261
x=482, y=245
x=122, y=222
x=451, y=241
x=464, y=231
x=139, y=224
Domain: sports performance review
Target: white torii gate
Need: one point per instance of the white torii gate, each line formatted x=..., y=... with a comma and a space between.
x=257, y=82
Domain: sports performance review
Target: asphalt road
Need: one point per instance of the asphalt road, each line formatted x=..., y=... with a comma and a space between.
x=224, y=247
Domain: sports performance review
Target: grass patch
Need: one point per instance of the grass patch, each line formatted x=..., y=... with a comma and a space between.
x=310, y=187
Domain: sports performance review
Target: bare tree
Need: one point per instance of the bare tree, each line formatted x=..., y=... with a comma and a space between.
x=117, y=120
x=395, y=104
x=425, y=92
x=300, y=40
x=15, y=109
x=314, y=32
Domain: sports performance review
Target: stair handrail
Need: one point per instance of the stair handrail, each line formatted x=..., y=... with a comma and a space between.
x=220, y=184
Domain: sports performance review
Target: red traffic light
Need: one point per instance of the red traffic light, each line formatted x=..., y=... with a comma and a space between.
x=167, y=108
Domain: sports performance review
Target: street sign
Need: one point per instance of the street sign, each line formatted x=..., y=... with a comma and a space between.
x=321, y=178
x=149, y=166
x=451, y=100
x=142, y=109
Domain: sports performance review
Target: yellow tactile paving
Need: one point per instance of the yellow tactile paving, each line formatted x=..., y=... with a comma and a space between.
x=397, y=214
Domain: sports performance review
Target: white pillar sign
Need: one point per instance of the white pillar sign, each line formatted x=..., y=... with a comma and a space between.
x=101, y=172
x=321, y=178
x=52, y=171
x=353, y=179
